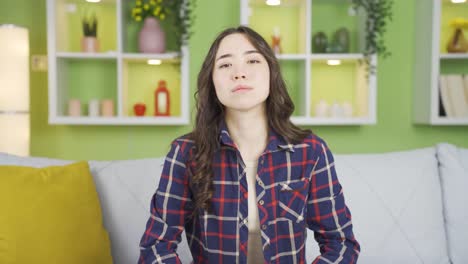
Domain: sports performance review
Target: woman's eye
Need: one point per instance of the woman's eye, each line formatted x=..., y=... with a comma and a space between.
x=253, y=61
x=225, y=65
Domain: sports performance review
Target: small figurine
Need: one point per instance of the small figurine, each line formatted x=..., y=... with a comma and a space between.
x=276, y=39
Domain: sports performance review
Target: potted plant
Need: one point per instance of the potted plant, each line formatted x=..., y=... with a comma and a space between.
x=378, y=13
x=89, y=41
x=152, y=38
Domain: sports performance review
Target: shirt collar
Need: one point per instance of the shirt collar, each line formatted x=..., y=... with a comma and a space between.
x=275, y=140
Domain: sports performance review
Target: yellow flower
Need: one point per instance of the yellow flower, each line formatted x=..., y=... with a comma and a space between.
x=152, y=2
x=136, y=11
x=146, y=7
x=162, y=16
x=459, y=22
x=138, y=18
x=159, y=1
x=138, y=2
x=157, y=10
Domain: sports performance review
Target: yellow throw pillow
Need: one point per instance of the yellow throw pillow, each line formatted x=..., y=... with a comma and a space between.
x=51, y=215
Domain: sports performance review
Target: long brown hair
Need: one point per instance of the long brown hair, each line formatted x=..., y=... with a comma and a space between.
x=210, y=113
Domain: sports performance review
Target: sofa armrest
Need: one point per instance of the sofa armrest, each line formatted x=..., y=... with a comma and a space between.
x=453, y=171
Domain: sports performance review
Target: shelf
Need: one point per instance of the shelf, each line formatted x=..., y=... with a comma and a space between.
x=308, y=77
x=433, y=32
x=119, y=120
x=332, y=121
x=68, y=24
x=324, y=19
x=117, y=72
x=291, y=56
x=450, y=121
x=288, y=3
x=85, y=80
x=84, y=55
x=351, y=88
x=140, y=81
x=289, y=19
x=337, y=56
x=147, y=56
x=454, y=56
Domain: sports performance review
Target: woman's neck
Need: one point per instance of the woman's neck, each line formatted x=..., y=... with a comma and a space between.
x=249, y=130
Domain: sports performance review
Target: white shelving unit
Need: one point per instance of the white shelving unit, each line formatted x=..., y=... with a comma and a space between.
x=309, y=65
x=116, y=60
x=429, y=55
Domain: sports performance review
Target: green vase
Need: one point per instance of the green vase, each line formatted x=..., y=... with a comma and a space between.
x=341, y=40
x=319, y=42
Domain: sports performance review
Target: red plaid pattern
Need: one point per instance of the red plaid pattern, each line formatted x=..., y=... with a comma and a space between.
x=297, y=188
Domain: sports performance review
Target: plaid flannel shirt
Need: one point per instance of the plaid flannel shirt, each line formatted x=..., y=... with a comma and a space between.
x=296, y=186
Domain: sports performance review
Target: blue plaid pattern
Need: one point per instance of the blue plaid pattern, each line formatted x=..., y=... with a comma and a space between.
x=297, y=188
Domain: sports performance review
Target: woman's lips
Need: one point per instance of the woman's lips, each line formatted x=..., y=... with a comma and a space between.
x=241, y=88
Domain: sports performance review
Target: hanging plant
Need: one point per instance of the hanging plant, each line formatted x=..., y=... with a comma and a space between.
x=378, y=14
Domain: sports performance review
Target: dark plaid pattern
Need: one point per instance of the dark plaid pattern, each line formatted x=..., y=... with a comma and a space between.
x=297, y=188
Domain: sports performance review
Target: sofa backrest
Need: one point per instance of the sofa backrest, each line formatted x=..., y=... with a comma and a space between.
x=396, y=205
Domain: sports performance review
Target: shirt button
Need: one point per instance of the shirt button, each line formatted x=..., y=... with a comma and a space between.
x=261, y=202
x=264, y=227
x=261, y=184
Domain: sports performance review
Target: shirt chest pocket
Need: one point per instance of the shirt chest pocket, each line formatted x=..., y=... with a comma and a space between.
x=292, y=199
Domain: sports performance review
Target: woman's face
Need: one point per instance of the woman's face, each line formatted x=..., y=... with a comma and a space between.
x=241, y=74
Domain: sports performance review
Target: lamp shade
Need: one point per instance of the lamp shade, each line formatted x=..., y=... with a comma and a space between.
x=14, y=90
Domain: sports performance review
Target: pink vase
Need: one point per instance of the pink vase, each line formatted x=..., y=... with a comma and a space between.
x=89, y=44
x=151, y=38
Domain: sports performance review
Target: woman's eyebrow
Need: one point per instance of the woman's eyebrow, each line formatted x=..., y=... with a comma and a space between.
x=230, y=55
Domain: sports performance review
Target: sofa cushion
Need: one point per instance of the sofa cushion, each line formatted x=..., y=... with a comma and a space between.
x=396, y=206
x=51, y=215
x=125, y=188
x=454, y=177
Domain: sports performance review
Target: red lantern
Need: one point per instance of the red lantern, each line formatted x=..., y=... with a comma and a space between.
x=161, y=100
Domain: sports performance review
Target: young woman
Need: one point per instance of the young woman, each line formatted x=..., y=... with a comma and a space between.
x=246, y=183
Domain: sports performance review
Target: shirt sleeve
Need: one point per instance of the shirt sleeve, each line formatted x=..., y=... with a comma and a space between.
x=327, y=214
x=170, y=207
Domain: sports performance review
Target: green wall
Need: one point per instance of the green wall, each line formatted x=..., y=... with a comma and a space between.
x=394, y=130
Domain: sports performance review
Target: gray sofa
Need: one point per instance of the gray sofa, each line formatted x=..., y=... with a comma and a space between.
x=407, y=206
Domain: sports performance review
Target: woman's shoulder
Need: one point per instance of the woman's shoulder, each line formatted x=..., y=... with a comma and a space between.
x=184, y=142
x=315, y=142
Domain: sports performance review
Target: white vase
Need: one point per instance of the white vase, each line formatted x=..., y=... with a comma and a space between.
x=347, y=109
x=321, y=108
x=336, y=110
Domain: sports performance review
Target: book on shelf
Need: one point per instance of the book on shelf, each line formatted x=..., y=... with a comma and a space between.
x=444, y=96
x=453, y=95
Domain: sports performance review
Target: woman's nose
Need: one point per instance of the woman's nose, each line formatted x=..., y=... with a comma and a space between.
x=239, y=73
x=238, y=76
